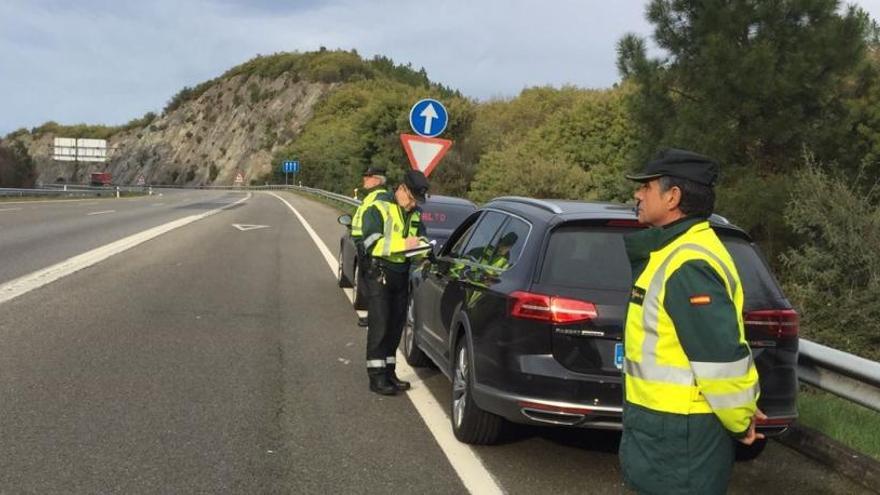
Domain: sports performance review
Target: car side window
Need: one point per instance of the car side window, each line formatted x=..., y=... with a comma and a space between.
x=459, y=238
x=480, y=244
x=507, y=246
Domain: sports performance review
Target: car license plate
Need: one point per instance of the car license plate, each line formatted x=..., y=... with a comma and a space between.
x=618, y=355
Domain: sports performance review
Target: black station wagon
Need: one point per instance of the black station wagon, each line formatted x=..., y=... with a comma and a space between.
x=523, y=310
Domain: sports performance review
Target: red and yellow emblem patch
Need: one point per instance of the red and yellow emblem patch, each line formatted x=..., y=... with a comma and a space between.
x=701, y=300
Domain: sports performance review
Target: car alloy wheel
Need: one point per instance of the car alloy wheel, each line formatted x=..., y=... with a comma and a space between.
x=460, y=386
x=339, y=278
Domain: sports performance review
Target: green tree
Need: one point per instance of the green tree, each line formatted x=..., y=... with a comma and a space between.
x=749, y=83
x=833, y=273
x=583, y=139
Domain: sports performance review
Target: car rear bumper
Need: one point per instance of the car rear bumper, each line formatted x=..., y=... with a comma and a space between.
x=537, y=389
x=538, y=411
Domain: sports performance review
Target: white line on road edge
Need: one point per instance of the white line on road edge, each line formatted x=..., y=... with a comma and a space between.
x=465, y=461
x=37, y=279
x=101, y=212
x=10, y=209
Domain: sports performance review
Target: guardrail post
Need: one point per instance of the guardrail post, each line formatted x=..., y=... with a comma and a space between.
x=117, y=192
x=65, y=187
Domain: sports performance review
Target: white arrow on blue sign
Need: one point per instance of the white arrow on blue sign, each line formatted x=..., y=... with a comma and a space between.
x=428, y=118
x=290, y=166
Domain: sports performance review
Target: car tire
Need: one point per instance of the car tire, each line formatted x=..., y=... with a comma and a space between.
x=415, y=357
x=340, y=275
x=750, y=452
x=470, y=424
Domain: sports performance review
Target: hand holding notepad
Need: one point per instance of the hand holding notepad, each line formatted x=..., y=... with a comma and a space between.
x=420, y=247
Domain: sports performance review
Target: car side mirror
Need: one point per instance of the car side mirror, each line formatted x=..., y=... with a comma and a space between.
x=345, y=220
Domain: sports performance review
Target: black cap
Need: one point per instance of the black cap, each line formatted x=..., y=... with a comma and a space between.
x=417, y=184
x=682, y=164
x=374, y=170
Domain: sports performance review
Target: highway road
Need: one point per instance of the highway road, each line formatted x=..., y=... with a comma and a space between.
x=209, y=350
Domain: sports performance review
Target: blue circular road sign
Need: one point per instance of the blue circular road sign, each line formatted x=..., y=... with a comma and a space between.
x=428, y=118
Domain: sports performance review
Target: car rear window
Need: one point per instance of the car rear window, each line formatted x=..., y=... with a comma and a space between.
x=440, y=216
x=595, y=257
x=587, y=257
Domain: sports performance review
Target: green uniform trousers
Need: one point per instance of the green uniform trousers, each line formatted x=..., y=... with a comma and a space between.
x=669, y=454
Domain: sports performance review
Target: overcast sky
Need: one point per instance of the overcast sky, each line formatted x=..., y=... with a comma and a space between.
x=108, y=61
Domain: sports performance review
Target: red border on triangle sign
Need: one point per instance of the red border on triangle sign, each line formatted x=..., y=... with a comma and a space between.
x=428, y=155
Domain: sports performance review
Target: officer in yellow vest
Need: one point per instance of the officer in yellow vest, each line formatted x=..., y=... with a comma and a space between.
x=391, y=225
x=374, y=185
x=691, y=385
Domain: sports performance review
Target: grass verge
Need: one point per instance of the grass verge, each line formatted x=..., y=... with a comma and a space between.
x=855, y=426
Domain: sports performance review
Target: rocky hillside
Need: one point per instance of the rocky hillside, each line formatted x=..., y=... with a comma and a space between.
x=233, y=123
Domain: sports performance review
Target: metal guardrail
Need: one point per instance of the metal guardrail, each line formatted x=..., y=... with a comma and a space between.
x=56, y=192
x=841, y=373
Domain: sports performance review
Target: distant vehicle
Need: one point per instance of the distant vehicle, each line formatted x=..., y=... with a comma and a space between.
x=100, y=179
x=441, y=215
x=523, y=310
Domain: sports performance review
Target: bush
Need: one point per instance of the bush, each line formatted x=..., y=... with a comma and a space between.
x=833, y=273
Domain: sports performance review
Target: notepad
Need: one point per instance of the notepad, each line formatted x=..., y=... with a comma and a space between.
x=422, y=248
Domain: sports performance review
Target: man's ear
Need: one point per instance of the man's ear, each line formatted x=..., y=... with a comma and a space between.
x=673, y=198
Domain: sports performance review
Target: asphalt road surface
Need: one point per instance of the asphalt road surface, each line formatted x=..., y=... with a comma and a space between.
x=216, y=358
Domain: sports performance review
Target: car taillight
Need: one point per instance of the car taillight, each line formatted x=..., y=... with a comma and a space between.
x=775, y=323
x=553, y=309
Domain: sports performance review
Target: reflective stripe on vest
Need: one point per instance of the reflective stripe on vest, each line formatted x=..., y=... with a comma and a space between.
x=658, y=374
x=357, y=223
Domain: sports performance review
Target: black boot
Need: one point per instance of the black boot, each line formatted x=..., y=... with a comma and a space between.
x=398, y=384
x=379, y=383
x=362, y=321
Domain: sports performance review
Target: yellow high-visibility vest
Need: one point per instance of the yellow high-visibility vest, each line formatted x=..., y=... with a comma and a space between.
x=658, y=374
x=393, y=238
x=357, y=223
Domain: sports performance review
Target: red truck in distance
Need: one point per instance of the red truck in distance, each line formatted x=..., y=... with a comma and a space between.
x=100, y=179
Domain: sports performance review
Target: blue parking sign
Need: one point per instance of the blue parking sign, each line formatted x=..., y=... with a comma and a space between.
x=428, y=118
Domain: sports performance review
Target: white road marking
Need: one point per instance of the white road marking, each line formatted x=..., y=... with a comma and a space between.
x=101, y=212
x=22, y=285
x=467, y=464
x=244, y=227
x=10, y=209
x=157, y=204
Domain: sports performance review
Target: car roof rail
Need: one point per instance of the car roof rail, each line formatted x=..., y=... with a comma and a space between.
x=545, y=205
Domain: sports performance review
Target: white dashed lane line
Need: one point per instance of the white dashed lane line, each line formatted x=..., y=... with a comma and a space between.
x=464, y=460
x=101, y=212
x=10, y=209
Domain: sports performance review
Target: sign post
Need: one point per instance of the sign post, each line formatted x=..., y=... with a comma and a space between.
x=428, y=118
